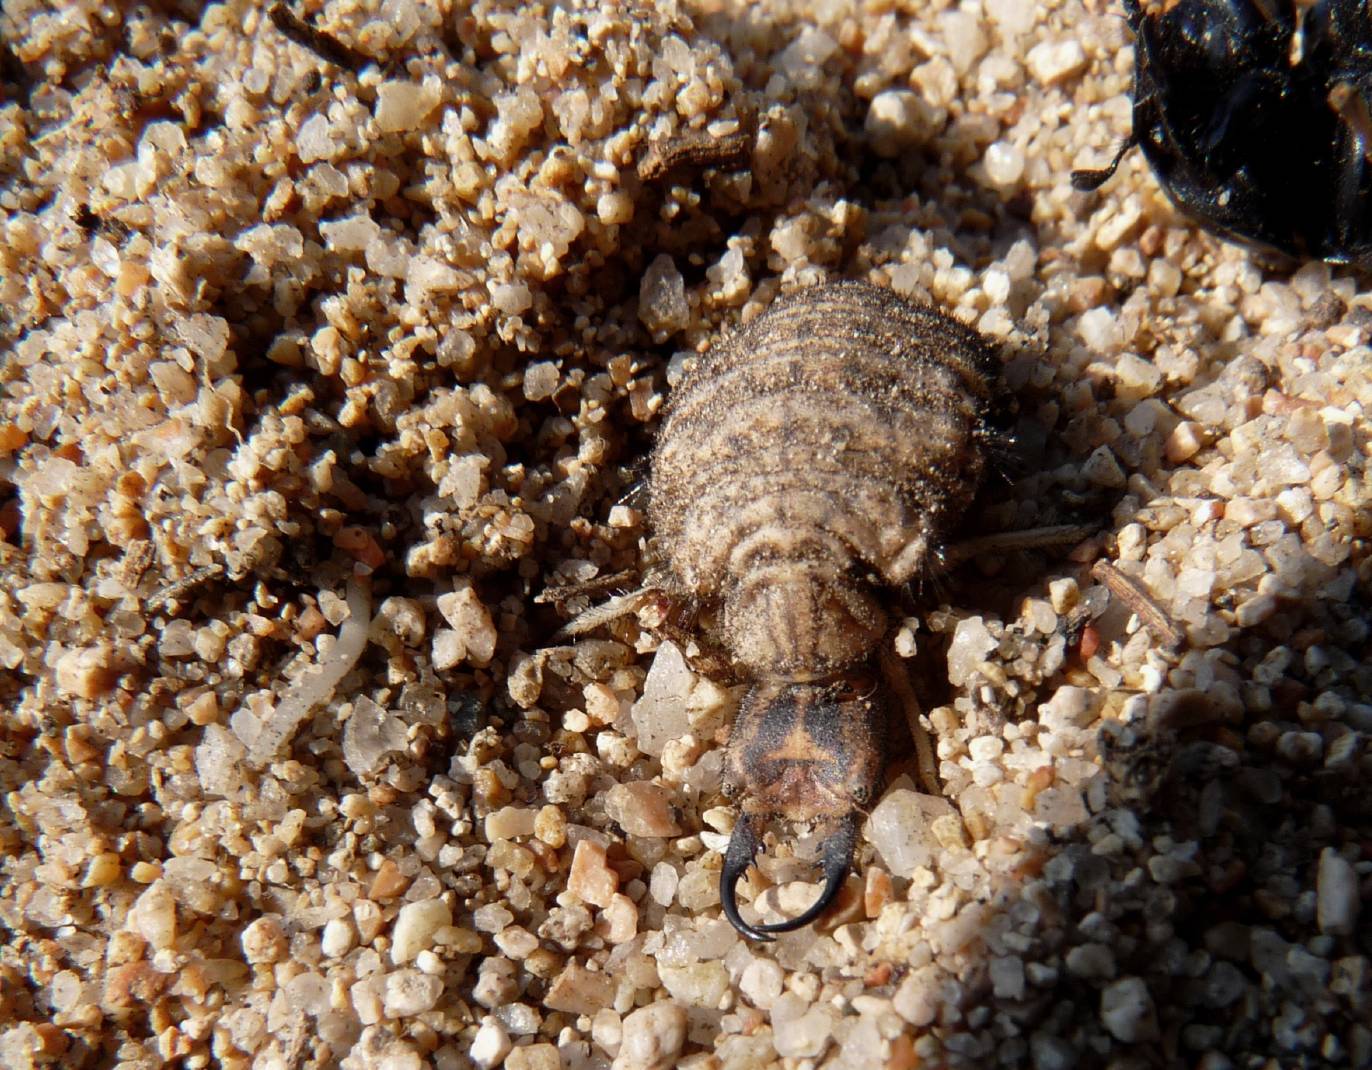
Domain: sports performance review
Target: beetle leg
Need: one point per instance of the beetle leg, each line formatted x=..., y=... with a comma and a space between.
x=1351, y=107
x=1090, y=179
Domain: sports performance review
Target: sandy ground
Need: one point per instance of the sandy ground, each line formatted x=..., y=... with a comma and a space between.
x=318, y=370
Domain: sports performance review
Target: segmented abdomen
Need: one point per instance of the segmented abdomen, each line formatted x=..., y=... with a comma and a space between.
x=836, y=435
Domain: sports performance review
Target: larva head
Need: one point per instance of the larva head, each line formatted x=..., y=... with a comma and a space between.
x=806, y=751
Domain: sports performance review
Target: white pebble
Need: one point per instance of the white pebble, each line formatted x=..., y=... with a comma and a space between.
x=1095, y=961
x=1336, y=889
x=660, y=715
x=606, y=1030
x=491, y=918
x=1007, y=977
x=351, y=234
x=804, y=1036
x=898, y=119
x=415, y=926
x=448, y=649
x=1135, y=377
x=1126, y=1010
x=491, y=1044
x=652, y=1037
x=919, y=996
x=509, y=822
x=1063, y=594
x=314, y=140
x=1069, y=708
x=1052, y=61
x=308, y=993
x=700, y=984
x=986, y=748
x=1004, y=163
x=996, y=285
x=370, y=734
x=803, y=58
x=471, y=623
x=263, y=941
x=409, y=992
x=403, y=106
x=519, y=113
x=512, y=298
x=614, y=207
x=1164, y=277
x=428, y=275
x=520, y=1019
x=971, y=643
x=540, y=380
x=761, y=983
x=337, y=938
x=963, y=36
x=1100, y=330
x=662, y=305
x=662, y=884
x=1102, y=469
x=900, y=829
x=1014, y=17
x=516, y=942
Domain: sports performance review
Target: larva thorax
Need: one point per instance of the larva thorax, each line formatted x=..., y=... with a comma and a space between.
x=809, y=460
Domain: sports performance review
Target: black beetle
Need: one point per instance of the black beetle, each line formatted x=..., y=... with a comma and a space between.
x=1256, y=117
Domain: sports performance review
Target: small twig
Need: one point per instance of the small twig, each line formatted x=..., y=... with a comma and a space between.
x=137, y=559
x=173, y=591
x=898, y=680
x=324, y=45
x=1139, y=602
x=699, y=148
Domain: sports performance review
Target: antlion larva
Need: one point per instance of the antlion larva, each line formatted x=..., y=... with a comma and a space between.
x=811, y=459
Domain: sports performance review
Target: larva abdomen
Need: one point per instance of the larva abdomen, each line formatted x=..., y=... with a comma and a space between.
x=839, y=432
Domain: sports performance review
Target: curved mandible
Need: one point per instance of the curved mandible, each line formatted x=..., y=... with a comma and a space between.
x=743, y=845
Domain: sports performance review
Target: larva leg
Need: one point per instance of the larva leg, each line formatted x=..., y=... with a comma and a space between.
x=670, y=620
x=1003, y=542
x=624, y=605
x=704, y=657
x=557, y=595
x=898, y=684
